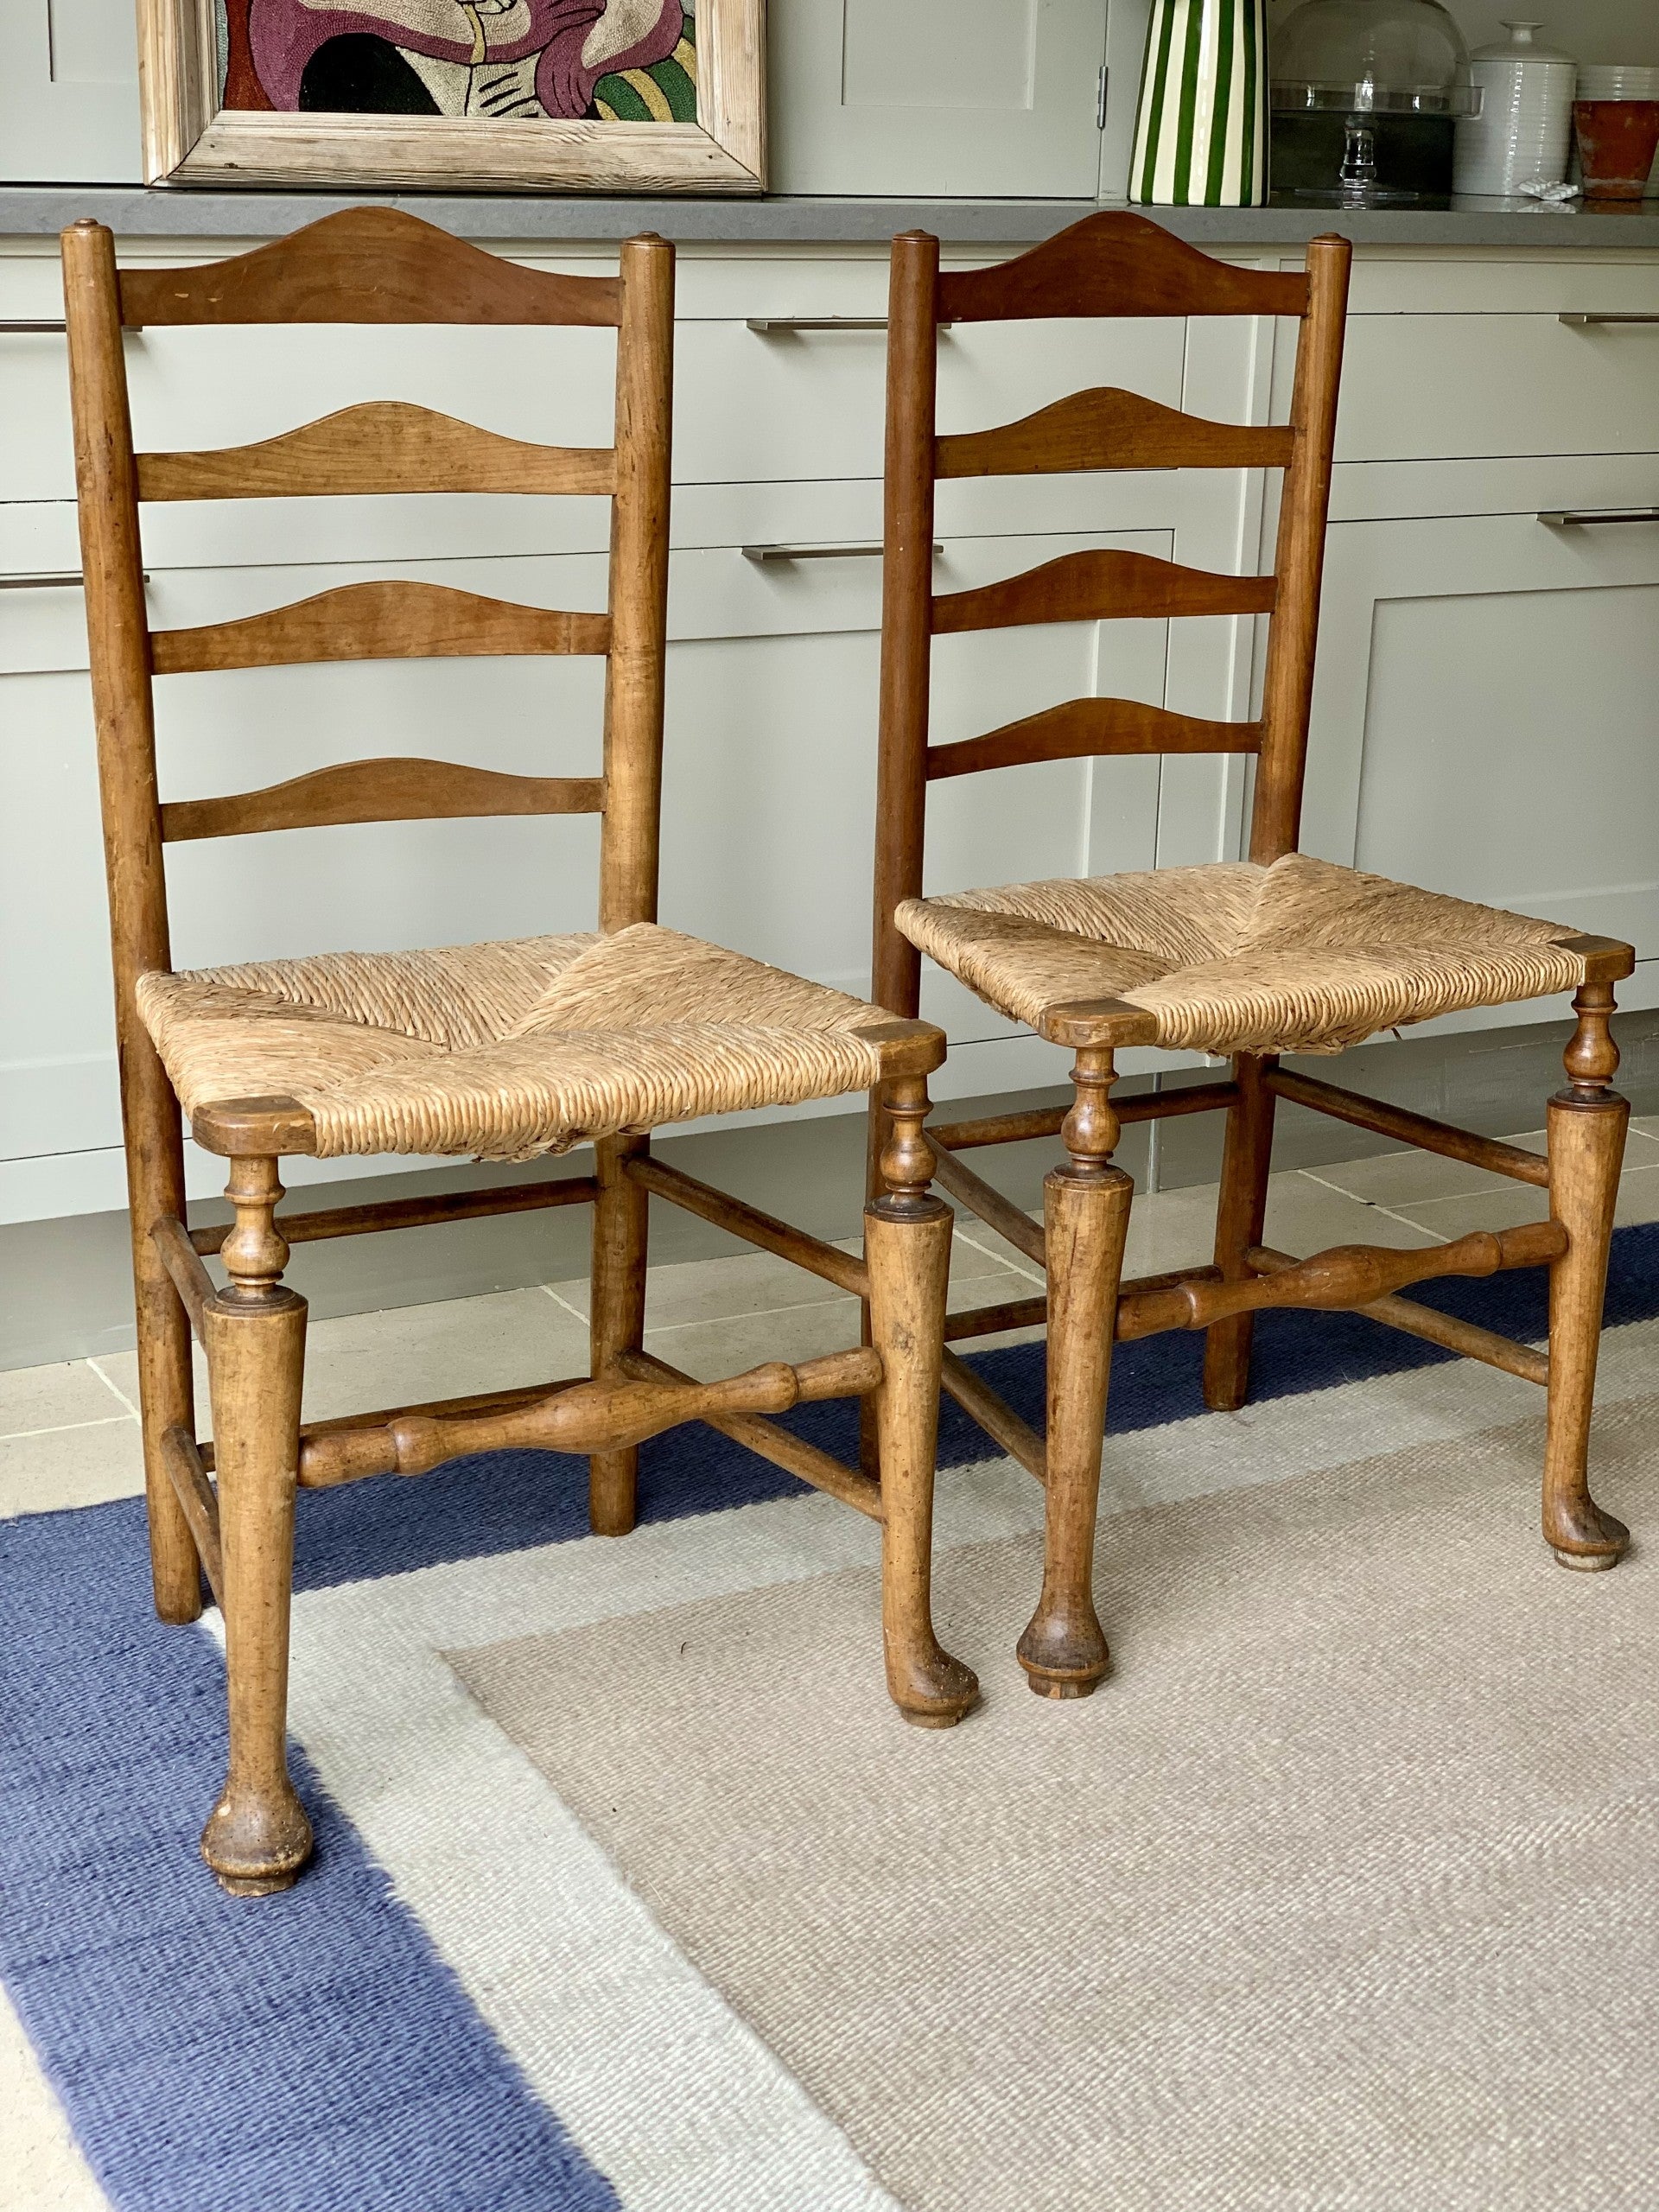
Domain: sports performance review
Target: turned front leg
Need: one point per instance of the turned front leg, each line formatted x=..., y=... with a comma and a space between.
x=1587, y=1126
x=617, y=1319
x=258, y=1836
x=1086, y=1219
x=907, y=1250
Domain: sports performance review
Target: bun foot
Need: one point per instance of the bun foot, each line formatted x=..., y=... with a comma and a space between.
x=1593, y=1543
x=1064, y=1658
x=256, y=1847
x=945, y=1695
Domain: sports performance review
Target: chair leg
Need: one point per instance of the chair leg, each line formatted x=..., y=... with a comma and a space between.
x=1240, y=1223
x=1587, y=1122
x=907, y=1246
x=166, y=1382
x=877, y=1132
x=621, y=1214
x=1086, y=1215
x=258, y=1836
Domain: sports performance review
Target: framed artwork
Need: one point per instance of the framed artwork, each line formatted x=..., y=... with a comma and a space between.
x=482, y=95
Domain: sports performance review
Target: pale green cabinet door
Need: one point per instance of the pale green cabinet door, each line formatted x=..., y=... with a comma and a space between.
x=69, y=92
x=941, y=99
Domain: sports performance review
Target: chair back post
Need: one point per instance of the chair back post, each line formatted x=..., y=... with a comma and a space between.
x=119, y=634
x=1288, y=693
x=906, y=611
x=632, y=832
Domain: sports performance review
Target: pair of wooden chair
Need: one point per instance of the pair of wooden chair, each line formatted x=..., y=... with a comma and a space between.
x=506, y=1051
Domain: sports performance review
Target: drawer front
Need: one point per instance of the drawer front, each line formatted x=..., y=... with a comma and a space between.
x=1475, y=386
x=1483, y=716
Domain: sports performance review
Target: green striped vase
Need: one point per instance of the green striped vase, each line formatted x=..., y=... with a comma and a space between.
x=1201, y=133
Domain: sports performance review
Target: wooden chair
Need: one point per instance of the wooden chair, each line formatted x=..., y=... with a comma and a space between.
x=502, y=1050
x=1250, y=960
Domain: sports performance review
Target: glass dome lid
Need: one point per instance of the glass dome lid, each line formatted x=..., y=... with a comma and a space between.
x=1382, y=57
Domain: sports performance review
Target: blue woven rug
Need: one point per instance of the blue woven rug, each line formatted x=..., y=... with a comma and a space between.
x=320, y=2051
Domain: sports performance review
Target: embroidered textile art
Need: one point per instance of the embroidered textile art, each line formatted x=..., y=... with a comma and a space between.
x=609, y=61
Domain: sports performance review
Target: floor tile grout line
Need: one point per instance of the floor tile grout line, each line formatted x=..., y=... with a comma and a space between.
x=66, y=1428
x=1387, y=1213
x=115, y=1388
x=1013, y=1266
x=563, y=1304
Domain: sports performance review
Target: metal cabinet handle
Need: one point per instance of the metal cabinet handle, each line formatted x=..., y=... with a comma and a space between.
x=1594, y=517
x=1587, y=322
x=772, y=325
x=784, y=325
x=12, y=328
x=765, y=553
x=60, y=579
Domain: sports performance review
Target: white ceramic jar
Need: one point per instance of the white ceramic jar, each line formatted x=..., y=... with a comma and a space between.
x=1523, y=133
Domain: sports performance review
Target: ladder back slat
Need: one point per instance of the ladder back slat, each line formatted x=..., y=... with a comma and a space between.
x=365, y=264
x=1100, y=585
x=1083, y=729
x=1109, y=428
x=379, y=791
x=385, y=446
x=1115, y=264
x=377, y=621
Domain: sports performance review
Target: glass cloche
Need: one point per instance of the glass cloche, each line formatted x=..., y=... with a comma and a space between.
x=1366, y=94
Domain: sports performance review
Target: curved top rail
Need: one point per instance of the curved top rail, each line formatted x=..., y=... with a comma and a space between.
x=365, y=264
x=1115, y=264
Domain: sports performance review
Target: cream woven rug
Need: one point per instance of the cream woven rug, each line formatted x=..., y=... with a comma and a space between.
x=1343, y=1892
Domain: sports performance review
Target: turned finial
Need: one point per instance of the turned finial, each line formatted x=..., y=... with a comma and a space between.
x=1591, y=1058
x=1090, y=1132
x=256, y=1251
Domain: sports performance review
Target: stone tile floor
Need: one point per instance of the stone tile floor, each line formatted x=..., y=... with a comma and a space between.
x=69, y=1433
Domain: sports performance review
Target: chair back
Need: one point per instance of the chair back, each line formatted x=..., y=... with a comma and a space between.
x=1119, y=265
x=367, y=265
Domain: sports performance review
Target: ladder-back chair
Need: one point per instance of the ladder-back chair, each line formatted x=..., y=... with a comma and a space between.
x=1248, y=960
x=501, y=1051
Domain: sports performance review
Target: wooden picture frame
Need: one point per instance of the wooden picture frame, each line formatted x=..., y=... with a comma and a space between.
x=189, y=137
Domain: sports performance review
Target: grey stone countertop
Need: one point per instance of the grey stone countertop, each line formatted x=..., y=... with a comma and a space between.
x=180, y=211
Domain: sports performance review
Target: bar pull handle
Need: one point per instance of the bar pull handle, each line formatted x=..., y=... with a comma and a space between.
x=785, y=326
x=11, y=326
x=781, y=326
x=763, y=553
x=1591, y=321
x=53, y=579
x=1597, y=517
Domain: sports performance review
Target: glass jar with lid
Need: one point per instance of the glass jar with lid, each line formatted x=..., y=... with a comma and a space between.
x=1366, y=97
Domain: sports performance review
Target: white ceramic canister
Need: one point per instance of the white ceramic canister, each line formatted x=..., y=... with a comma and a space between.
x=1523, y=131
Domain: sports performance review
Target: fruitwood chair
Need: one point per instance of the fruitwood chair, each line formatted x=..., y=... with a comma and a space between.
x=1279, y=954
x=499, y=1050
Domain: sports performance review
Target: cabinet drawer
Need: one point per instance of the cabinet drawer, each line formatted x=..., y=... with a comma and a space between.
x=1470, y=386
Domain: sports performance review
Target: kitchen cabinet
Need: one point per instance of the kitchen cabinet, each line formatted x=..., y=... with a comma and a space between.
x=887, y=97
x=69, y=93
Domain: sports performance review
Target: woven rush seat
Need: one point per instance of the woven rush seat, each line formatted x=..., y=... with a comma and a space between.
x=508, y=1051
x=1300, y=956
